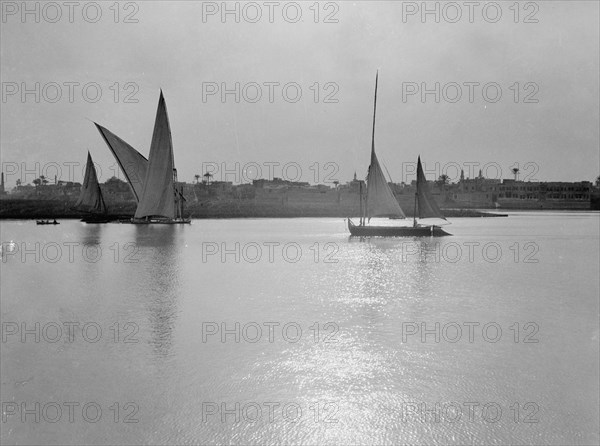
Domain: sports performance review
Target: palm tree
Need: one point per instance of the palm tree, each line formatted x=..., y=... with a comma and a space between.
x=197, y=177
x=208, y=176
x=515, y=171
x=598, y=181
x=442, y=181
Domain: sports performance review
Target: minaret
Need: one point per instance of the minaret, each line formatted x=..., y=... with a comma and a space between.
x=354, y=175
x=2, y=184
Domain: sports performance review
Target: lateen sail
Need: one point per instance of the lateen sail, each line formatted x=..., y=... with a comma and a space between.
x=426, y=205
x=158, y=195
x=133, y=164
x=90, y=198
x=380, y=198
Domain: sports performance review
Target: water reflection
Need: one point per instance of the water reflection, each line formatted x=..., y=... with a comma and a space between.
x=160, y=249
x=395, y=281
x=369, y=372
x=428, y=254
x=91, y=234
x=385, y=263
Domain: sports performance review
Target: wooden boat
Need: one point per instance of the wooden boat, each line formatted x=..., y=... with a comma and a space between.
x=153, y=181
x=381, y=202
x=90, y=198
x=46, y=222
x=161, y=221
x=91, y=219
x=395, y=231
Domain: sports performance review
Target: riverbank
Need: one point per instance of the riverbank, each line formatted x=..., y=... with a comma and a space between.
x=50, y=209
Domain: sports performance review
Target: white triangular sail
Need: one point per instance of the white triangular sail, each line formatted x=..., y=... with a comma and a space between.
x=158, y=195
x=133, y=164
x=380, y=198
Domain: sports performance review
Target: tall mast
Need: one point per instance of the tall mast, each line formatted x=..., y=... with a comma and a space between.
x=416, y=193
x=372, y=142
x=175, y=192
x=182, y=201
x=374, y=111
x=415, y=209
x=360, y=200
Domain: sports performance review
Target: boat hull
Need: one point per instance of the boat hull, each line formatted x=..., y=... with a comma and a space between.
x=395, y=231
x=176, y=221
x=97, y=219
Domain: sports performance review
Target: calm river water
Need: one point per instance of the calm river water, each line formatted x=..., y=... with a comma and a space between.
x=270, y=331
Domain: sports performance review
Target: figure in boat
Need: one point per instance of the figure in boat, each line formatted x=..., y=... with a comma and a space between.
x=380, y=201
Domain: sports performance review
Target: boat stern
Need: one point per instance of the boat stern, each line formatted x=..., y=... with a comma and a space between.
x=437, y=231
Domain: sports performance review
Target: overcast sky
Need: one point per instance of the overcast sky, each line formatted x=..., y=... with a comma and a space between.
x=174, y=47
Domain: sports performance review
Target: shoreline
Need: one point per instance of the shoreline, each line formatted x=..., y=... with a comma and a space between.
x=252, y=217
x=55, y=209
x=26, y=209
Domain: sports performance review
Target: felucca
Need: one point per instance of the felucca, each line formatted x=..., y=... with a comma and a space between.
x=90, y=198
x=380, y=202
x=152, y=181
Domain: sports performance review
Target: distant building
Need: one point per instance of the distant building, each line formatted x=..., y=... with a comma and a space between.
x=278, y=183
x=61, y=190
x=511, y=189
x=474, y=192
x=510, y=193
x=354, y=185
x=545, y=195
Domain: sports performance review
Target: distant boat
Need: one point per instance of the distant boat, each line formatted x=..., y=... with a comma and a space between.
x=90, y=198
x=153, y=181
x=381, y=202
x=46, y=222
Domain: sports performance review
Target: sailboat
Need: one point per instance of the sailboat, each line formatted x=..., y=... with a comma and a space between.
x=153, y=181
x=90, y=198
x=381, y=202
